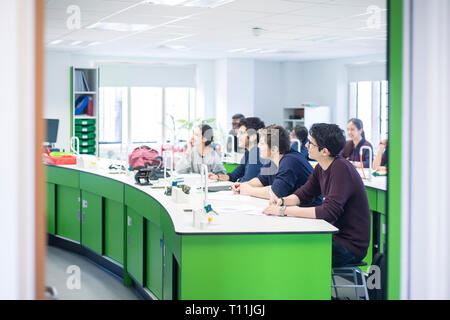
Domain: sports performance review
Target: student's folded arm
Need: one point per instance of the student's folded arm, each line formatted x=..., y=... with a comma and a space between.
x=333, y=203
x=218, y=167
x=310, y=190
x=237, y=173
x=256, y=182
x=284, y=183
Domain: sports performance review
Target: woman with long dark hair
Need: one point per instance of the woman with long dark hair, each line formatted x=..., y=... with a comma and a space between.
x=355, y=132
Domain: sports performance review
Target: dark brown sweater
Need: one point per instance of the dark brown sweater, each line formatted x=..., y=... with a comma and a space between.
x=345, y=203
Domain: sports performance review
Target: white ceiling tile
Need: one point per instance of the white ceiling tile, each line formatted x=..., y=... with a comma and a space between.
x=299, y=28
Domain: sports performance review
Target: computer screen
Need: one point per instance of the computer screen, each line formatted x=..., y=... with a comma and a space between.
x=52, y=130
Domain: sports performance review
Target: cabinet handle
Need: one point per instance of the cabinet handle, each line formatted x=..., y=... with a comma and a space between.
x=128, y=238
x=84, y=217
x=79, y=218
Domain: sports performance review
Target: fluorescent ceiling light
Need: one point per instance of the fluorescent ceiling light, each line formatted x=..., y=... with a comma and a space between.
x=75, y=43
x=269, y=51
x=237, y=50
x=252, y=50
x=124, y=27
x=190, y=3
x=56, y=41
x=94, y=43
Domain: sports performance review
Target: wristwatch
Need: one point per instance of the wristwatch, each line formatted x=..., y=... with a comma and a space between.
x=283, y=211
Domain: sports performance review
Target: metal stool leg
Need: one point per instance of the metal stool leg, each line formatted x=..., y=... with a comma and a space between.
x=333, y=280
x=355, y=281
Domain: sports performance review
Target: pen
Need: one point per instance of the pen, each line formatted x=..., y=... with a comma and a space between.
x=272, y=196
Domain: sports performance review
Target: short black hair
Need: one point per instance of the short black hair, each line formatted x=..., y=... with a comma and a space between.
x=301, y=132
x=238, y=116
x=277, y=136
x=207, y=132
x=328, y=136
x=252, y=123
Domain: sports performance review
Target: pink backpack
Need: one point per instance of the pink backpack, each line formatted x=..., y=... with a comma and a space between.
x=143, y=157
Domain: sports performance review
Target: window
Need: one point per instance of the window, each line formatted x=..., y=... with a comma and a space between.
x=369, y=102
x=133, y=116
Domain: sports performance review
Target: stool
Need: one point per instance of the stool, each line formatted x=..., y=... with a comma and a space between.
x=351, y=269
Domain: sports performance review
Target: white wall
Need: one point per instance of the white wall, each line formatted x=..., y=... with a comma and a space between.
x=57, y=85
x=228, y=86
x=269, y=92
x=326, y=82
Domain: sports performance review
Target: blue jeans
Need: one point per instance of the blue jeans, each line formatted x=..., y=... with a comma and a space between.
x=341, y=256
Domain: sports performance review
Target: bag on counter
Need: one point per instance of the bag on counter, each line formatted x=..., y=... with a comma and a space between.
x=143, y=157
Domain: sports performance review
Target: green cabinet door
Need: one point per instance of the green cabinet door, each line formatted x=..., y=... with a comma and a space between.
x=154, y=259
x=68, y=212
x=114, y=230
x=135, y=245
x=50, y=209
x=91, y=218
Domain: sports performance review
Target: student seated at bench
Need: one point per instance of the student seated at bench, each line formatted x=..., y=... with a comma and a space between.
x=199, y=151
x=287, y=171
x=300, y=133
x=345, y=203
x=352, y=148
x=248, y=138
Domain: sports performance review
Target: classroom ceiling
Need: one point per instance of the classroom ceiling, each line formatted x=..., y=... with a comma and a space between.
x=285, y=29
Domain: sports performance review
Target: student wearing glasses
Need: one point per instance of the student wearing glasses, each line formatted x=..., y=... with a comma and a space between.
x=357, y=137
x=248, y=138
x=199, y=151
x=345, y=203
x=286, y=172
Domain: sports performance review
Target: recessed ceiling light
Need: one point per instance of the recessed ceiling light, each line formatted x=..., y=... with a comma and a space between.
x=75, y=43
x=124, y=27
x=56, y=41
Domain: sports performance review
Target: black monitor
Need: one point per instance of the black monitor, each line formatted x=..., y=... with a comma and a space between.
x=52, y=130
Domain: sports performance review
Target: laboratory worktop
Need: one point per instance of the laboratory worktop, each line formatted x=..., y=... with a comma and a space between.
x=236, y=213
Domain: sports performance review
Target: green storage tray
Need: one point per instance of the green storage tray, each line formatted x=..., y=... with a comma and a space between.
x=88, y=150
x=84, y=122
x=87, y=143
x=84, y=129
x=85, y=136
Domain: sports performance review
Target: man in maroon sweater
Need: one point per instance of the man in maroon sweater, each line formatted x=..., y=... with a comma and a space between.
x=345, y=203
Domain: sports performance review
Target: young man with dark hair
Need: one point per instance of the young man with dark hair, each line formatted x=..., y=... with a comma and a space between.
x=345, y=203
x=248, y=138
x=287, y=171
x=236, y=119
x=300, y=133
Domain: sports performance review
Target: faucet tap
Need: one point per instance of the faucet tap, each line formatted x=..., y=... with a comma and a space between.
x=361, y=150
x=204, y=180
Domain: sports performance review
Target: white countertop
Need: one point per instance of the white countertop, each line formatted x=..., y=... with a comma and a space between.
x=237, y=214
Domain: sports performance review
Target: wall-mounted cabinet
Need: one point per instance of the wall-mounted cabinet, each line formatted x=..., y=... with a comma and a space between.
x=305, y=115
x=84, y=108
